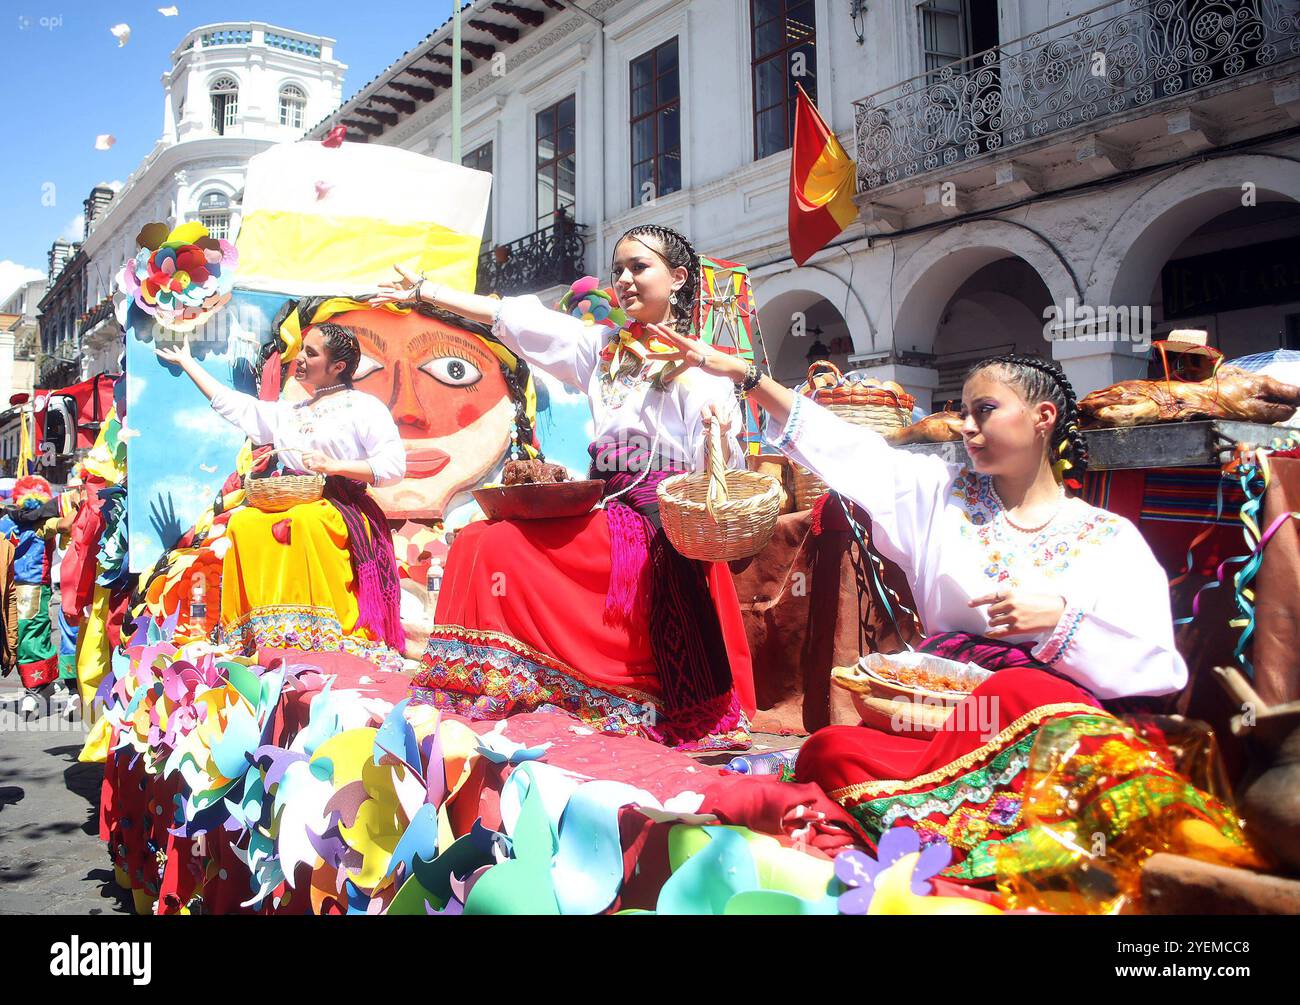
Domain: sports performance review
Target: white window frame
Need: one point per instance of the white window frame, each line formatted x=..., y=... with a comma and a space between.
x=292, y=103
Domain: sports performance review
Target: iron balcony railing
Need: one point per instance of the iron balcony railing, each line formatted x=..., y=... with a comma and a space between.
x=546, y=257
x=1118, y=57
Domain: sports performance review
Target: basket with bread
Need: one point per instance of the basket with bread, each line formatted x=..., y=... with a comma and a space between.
x=864, y=401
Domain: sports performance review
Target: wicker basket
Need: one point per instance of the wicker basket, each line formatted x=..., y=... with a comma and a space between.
x=719, y=514
x=878, y=408
x=275, y=495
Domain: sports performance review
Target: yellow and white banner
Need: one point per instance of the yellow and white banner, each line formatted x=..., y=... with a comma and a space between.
x=320, y=220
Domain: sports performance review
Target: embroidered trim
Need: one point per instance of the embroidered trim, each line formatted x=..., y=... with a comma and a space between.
x=963, y=793
x=490, y=675
x=1029, y=720
x=792, y=423
x=311, y=629
x=1058, y=643
x=477, y=637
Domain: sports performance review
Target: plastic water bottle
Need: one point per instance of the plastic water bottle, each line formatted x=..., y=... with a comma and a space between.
x=199, y=599
x=770, y=763
x=434, y=582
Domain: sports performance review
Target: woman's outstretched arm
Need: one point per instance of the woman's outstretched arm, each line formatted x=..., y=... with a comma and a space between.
x=408, y=287
x=257, y=419
x=180, y=356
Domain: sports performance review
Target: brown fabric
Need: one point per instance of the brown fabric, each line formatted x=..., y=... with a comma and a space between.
x=799, y=601
x=1277, y=591
x=8, y=607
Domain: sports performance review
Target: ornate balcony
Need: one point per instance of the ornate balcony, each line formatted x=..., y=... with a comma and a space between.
x=547, y=257
x=1121, y=62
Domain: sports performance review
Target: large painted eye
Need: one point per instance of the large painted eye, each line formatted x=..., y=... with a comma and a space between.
x=366, y=366
x=453, y=371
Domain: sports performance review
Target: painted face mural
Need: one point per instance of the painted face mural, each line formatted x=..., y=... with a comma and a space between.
x=448, y=397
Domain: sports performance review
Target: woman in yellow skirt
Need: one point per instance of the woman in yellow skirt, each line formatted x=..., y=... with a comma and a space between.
x=321, y=576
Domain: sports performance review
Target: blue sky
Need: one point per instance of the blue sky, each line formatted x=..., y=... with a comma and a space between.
x=64, y=80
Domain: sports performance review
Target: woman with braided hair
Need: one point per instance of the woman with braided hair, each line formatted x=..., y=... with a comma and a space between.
x=1065, y=601
x=598, y=615
x=320, y=575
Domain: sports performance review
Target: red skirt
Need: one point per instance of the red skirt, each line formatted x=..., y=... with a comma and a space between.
x=521, y=626
x=963, y=784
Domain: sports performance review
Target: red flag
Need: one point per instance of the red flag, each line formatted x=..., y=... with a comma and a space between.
x=821, y=184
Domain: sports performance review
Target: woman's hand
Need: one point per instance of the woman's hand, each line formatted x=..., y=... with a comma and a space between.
x=692, y=352
x=317, y=463
x=403, y=289
x=177, y=355
x=710, y=414
x=1014, y=612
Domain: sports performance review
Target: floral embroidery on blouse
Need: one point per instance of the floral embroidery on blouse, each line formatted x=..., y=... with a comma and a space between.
x=1008, y=554
x=306, y=416
x=974, y=493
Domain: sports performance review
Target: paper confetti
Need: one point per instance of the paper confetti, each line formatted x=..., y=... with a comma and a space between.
x=322, y=189
x=121, y=32
x=104, y=141
x=168, y=11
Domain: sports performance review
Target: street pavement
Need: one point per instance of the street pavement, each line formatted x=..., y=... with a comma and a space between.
x=51, y=858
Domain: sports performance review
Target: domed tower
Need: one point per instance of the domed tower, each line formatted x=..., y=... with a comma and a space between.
x=250, y=80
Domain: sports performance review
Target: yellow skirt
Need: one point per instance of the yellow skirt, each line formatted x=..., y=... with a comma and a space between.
x=287, y=583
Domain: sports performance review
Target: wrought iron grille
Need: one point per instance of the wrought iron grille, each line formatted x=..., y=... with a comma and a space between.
x=1117, y=57
x=543, y=258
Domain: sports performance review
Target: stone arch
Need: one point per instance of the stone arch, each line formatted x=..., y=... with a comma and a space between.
x=933, y=273
x=1146, y=232
x=801, y=289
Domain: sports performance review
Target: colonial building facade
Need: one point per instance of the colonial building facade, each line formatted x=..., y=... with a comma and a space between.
x=1056, y=177
x=232, y=90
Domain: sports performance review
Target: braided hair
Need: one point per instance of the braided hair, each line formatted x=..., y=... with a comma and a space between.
x=676, y=252
x=1043, y=380
x=343, y=346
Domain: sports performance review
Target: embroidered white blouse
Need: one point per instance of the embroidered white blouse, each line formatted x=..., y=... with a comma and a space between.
x=946, y=528
x=345, y=426
x=629, y=410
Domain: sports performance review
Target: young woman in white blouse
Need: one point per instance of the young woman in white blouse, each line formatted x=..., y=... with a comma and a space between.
x=1064, y=599
x=598, y=615
x=320, y=576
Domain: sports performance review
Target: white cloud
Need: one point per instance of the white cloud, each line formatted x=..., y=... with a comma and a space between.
x=75, y=230
x=13, y=275
x=135, y=385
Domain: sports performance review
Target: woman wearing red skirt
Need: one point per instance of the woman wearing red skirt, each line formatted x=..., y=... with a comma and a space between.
x=599, y=616
x=1065, y=600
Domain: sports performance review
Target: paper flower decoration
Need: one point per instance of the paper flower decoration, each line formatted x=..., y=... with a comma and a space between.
x=897, y=880
x=592, y=305
x=180, y=277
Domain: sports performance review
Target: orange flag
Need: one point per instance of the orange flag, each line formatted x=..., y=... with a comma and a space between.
x=821, y=184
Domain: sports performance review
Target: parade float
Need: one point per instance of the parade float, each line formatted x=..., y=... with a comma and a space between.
x=302, y=780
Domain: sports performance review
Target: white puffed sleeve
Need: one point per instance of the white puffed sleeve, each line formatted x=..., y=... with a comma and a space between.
x=1123, y=646
x=380, y=442
x=902, y=492
x=258, y=420
x=550, y=340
